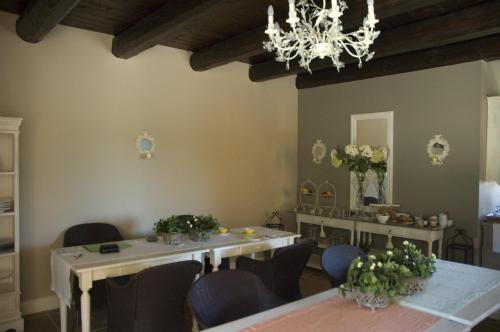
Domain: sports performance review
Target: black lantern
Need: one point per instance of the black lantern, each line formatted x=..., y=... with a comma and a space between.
x=275, y=221
x=460, y=248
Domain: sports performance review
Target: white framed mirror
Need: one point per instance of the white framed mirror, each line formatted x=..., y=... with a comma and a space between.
x=375, y=130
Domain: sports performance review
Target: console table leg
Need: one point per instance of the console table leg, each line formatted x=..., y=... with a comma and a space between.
x=440, y=247
x=429, y=251
x=215, y=260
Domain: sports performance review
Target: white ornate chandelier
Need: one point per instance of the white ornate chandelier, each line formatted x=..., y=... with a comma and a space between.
x=318, y=33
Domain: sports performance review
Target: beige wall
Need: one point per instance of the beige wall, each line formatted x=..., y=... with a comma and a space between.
x=443, y=101
x=224, y=145
x=493, y=78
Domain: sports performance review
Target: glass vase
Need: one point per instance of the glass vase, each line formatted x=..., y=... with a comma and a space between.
x=172, y=239
x=381, y=187
x=360, y=187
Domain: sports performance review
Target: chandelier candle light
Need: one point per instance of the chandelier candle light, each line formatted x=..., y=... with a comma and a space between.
x=318, y=33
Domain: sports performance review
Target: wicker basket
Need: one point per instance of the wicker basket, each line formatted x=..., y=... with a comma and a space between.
x=371, y=300
x=415, y=285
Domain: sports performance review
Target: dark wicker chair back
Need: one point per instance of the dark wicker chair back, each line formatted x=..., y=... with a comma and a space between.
x=282, y=273
x=91, y=233
x=224, y=296
x=336, y=260
x=153, y=300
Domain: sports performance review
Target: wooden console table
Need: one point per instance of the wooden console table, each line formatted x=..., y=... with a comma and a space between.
x=428, y=235
x=360, y=227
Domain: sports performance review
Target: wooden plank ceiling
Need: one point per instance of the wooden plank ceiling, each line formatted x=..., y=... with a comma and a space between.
x=415, y=34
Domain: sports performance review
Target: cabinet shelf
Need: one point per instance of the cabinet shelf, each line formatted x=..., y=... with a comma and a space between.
x=7, y=173
x=7, y=214
x=7, y=253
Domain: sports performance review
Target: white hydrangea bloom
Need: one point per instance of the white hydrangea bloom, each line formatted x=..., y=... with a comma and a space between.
x=406, y=257
x=360, y=264
x=379, y=264
x=351, y=150
x=366, y=151
x=405, y=243
x=389, y=253
x=372, y=257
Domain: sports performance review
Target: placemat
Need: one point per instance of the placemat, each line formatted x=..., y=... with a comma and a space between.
x=339, y=314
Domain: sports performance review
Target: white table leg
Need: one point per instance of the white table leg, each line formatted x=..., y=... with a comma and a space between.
x=215, y=260
x=298, y=227
x=85, y=286
x=352, y=237
x=359, y=238
x=63, y=313
x=429, y=251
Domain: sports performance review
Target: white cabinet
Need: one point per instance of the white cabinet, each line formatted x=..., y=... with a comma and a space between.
x=10, y=313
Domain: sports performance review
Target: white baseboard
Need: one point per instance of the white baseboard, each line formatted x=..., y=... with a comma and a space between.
x=39, y=305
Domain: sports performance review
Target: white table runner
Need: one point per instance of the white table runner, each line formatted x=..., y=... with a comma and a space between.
x=454, y=291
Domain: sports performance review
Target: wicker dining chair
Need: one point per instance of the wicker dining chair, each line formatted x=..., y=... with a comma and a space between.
x=224, y=296
x=154, y=300
x=90, y=233
x=282, y=272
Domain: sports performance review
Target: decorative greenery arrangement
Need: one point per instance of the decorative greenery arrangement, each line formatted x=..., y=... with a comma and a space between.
x=200, y=225
x=378, y=275
x=417, y=263
x=171, y=225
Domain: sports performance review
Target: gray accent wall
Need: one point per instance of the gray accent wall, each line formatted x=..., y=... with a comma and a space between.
x=443, y=101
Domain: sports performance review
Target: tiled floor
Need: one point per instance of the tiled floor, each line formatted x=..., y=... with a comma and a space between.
x=312, y=282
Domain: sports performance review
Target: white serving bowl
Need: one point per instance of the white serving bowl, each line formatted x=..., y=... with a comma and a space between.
x=382, y=218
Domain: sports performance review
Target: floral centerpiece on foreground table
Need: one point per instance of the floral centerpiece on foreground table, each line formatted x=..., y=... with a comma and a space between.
x=377, y=279
x=197, y=227
x=420, y=266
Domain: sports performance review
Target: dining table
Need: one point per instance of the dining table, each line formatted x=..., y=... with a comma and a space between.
x=456, y=298
x=139, y=254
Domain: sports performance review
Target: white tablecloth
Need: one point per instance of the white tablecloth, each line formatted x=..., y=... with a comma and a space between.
x=453, y=287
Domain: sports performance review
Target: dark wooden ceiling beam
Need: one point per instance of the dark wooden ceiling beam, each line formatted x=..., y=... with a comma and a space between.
x=41, y=16
x=486, y=48
x=470, y=23
x=249, y=44
x=153, y=29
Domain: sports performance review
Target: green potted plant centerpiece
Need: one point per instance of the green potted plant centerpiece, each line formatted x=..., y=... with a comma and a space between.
x=420, y=266
x=200, y=227
x=376, y=280
x=170, y=229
